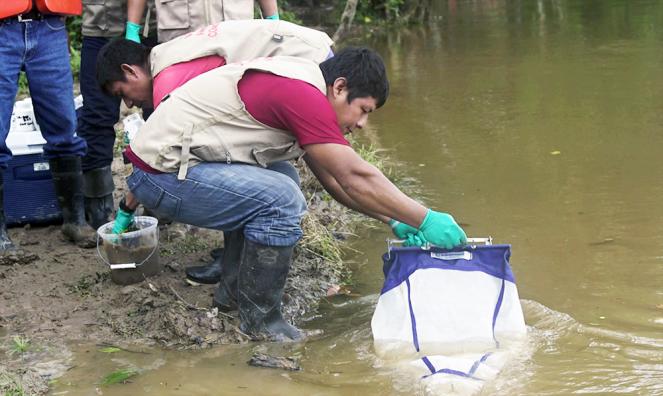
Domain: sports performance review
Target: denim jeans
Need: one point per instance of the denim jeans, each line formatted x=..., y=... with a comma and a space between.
x=39, y=48
x=99, y=112
x=266, y=203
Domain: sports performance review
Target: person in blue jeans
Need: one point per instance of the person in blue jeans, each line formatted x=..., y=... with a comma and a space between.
x=37, y=44
x=101, y=23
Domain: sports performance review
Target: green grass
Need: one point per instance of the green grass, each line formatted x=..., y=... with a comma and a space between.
x=110, y=349
x=376, y=158
x=319, y=240
x=10, y=386
x=118, y=377
x=85, y=283
x=190, y=244
x=19, y=345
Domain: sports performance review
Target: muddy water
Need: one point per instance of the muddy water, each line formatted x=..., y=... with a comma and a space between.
x=536, y=122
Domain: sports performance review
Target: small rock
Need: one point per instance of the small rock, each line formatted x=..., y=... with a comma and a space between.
x=212, y=313
x=128, y=290
x=279, y=362
x=17, y=257
x=152, y=287
x=25, y=240
x=339, y=236
x=174, y=266
x=333, y=290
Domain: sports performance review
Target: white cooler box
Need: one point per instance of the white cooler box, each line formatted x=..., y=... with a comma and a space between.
x=29, y=195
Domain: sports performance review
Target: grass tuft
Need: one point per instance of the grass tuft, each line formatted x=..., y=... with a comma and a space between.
x=10, y=386
x=319, y=240
x=110, y=349
x=19, y=345
x=118, y=377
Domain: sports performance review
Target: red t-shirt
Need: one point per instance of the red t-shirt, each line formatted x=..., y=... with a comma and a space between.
x=278, y=102
x=291, y=105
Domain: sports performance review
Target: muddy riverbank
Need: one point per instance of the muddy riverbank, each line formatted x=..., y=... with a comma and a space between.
x=61, y=293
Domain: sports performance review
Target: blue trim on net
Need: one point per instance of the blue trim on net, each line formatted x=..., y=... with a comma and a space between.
x=498, y=305
x=469, y=374
x=415, y=338
x=401, y=262
x=428, y=364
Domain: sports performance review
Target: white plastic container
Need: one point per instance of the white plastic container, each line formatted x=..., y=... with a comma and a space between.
x=132, y=124
x=131, y=256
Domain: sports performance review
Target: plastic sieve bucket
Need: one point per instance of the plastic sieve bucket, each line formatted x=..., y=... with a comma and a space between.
x=131, y=256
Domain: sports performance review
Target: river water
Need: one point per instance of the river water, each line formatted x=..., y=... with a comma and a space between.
x=537, y=123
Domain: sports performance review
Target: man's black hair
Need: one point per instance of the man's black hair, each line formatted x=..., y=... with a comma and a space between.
x=364, y=71
x=111, y=57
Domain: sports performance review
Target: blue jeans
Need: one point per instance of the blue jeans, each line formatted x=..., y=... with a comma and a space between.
x=99, y=113
x=40, y=49
x=266, y=203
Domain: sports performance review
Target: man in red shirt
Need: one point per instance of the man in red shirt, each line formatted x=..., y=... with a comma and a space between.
x=214, y=190
x=141, y=89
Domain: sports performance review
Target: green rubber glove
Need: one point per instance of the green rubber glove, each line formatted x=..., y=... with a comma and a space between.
x=441, y=229
x=123, y=221
x=401, y=230
x=414, y=240
x=274, y=17
x=133, y=32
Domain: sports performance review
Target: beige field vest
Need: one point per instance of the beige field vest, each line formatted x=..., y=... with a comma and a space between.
x=205, y=120
x=177, y=17
x=238, y=41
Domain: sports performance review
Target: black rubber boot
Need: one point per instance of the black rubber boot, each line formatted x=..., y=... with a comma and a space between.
x=225, y=295
x=205, y=274
x=68, y=182
x=262, y=275
x=211, y=273
x=6, y=244
x=217, y=252
x=98, y=190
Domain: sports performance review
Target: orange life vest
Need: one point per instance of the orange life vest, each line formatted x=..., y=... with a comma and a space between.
x=15, y=7
x=60, y=7
x=48, y=7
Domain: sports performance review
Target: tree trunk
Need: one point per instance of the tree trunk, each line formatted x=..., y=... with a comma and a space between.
x=346, y=19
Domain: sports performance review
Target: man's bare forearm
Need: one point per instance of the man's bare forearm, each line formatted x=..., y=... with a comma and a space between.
x=268, y=7
x=364, y=184
x=136, y=10
x=335, y=190
x=131, y=201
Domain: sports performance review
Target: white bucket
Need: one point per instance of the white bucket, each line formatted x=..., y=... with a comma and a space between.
x=132, y=124
x=131, y=256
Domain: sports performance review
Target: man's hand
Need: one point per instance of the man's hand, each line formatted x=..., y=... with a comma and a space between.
x=123, y=220
x=414, y=240
x=133, y=32
x=442, y=230
x=401, y=230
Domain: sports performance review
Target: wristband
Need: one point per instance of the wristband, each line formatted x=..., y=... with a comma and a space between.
x=274, y=17
x=133, y=32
